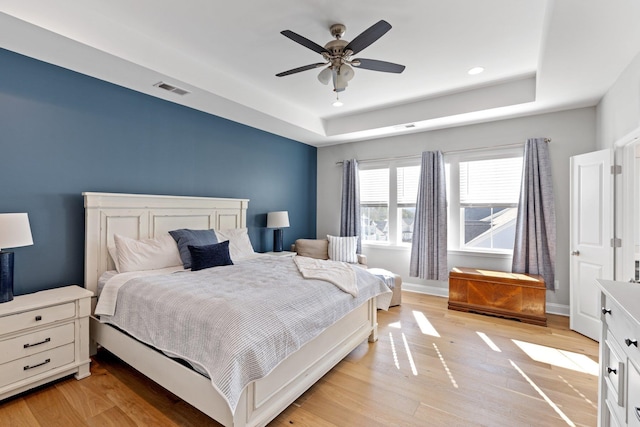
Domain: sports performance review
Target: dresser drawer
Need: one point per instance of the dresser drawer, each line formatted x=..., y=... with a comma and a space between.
x=613, y=371
x=43, y=316
x=633, y=399
x=616, y=411
x=29, y=366
x=617, y=321
x=613, y=414
x=36, y=342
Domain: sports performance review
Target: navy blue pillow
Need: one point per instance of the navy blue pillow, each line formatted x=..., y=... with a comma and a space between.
x=185, y=237
x=209, y=256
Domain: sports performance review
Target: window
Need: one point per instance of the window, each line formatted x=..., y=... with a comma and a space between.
x=374, y=205
x=408, y=180
x=484, y=192
x=388, y=202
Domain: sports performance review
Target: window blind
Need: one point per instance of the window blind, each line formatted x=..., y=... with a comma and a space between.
x=408, y=179
x=494, y=181
x=374, y=186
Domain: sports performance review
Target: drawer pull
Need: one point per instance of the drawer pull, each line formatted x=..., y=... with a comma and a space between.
x=610, y=370
x=38, y=318
x=630, y=342
x=606, y=310
x=637, y=413
x=26, y=368
x=44, y=341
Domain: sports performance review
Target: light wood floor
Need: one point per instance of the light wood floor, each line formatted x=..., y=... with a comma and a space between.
x=435, y=373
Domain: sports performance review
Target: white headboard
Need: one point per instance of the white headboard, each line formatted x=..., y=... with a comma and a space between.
x=142, y=216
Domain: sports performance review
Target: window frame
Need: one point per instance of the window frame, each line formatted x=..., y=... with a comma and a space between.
x=455, y=212
x=395, y=233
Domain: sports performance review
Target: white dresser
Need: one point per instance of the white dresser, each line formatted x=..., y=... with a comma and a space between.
x=619, y=387
x=44, y=336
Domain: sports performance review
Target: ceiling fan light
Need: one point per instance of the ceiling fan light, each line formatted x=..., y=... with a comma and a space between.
x=324, y=76
x=346, y=72
x=341, y=83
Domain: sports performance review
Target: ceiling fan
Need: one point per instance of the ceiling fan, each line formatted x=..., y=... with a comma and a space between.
x=338, y=55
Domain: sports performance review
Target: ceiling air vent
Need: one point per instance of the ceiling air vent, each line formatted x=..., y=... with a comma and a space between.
x=171, y=88
x=404, y=126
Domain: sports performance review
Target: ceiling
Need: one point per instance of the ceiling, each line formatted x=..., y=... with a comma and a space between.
x=539, y=56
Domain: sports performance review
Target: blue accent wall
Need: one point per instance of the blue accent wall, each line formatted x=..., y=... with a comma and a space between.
x=62, y=133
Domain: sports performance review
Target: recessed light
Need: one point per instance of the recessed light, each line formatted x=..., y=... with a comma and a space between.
x=475, y=70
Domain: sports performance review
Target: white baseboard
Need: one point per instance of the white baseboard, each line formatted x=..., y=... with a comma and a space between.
x=424, y=289
x=551, y=307
x=559, y=309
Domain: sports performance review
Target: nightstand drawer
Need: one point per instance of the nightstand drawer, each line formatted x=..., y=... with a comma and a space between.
x=44, y=335
x=36, y=364
x=43, y=316
x=36, y=342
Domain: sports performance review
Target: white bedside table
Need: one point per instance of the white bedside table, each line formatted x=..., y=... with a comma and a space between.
x=44, y=336
x=283, y=253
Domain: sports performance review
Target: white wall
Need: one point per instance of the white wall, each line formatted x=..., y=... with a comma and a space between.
x=618, y=112
x=572, y=132
x=618, y=115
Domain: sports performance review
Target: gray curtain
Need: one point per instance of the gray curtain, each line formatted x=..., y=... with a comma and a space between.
x=534, y=251
x=429, y=243
x=350, y=207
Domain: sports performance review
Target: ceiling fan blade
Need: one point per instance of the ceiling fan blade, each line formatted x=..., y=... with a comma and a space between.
x=304, y=41
x=375, y=65
x=303, y=68
x=368, y=36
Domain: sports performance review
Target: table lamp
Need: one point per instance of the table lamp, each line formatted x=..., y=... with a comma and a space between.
x=14, y=232
x=278, y=221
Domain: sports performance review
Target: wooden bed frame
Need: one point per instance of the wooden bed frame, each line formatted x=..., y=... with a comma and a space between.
x=145, y=216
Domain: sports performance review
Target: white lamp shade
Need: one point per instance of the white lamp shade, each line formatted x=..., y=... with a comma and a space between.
x=15, y=230
x=346, y=72
x=278, y=219
x=325, y=76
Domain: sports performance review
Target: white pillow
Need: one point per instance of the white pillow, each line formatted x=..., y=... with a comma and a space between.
x=343, y=248
x=239, y=243
x=113, y=253
x=146, y=254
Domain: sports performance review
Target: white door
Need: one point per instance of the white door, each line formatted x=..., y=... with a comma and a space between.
x=591, y=233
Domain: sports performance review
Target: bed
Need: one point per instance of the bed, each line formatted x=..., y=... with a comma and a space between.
x=146, y=216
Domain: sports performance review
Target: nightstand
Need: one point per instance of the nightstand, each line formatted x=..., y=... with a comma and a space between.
x=44, y=336
x=283, y=253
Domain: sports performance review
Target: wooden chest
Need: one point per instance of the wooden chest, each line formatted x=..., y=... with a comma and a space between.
x=512, y=295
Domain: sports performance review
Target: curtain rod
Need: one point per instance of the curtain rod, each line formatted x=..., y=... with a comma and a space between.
x=417, y=156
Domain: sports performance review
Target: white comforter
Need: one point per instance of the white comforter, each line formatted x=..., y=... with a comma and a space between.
x=237, y=322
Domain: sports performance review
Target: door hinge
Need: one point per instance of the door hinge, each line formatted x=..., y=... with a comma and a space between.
x=616, y=169
x=616, y=242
